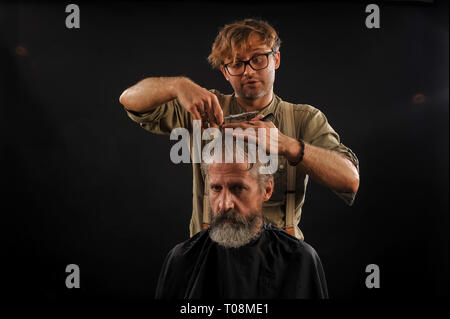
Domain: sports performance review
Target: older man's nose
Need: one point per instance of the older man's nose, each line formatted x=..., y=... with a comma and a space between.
x=226, y=201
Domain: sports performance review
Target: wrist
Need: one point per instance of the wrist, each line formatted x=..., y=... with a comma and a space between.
x=296, y=153
x=177, y=84
x=290, y=148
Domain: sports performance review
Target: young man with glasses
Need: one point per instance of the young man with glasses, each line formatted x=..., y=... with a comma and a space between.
x=247, y=53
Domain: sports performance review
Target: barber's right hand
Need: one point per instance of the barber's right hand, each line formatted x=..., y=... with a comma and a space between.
x=201, y=103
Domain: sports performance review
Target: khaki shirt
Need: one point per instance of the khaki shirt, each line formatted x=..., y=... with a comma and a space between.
x=310, y=123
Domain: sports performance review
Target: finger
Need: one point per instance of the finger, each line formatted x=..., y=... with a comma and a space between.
x=201, y=110
x=257, y=117
x=209, y=112
x=246, y=137
x=195, y=114
x=242, y=125
x=205, y=121
x=252, y=139
x=200, y=107
x=243, y=134
x=204, y=114
x=217, y=110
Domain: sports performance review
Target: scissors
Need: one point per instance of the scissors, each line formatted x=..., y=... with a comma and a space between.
x=247, y=116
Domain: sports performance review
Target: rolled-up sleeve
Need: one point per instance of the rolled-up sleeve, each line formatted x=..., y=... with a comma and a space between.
x=318, y=132
x=163, y=119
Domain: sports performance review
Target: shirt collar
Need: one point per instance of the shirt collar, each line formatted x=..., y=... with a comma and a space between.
x=237, y=108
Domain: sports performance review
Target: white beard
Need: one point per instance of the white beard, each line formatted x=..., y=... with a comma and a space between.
x=236, y=233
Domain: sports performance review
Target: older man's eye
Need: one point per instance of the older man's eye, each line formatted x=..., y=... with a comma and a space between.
x=237, y=188
x=216, y=188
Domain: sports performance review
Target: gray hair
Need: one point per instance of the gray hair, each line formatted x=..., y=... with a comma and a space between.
x=243, y=150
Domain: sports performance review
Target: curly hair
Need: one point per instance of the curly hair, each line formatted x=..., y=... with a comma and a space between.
x=234, y=37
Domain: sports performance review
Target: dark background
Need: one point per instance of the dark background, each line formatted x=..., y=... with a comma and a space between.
x=83, y=184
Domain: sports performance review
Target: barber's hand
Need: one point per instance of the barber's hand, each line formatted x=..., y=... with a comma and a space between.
x=201, y=103
x=255, y=124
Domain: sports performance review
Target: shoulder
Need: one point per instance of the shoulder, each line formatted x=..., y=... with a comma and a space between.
x=186, y=247
x=290, y=243
x=299, y=108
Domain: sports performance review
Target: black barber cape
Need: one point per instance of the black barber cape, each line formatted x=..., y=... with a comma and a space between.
x=275, y=265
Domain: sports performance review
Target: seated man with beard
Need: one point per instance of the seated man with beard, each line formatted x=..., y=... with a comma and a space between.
x=240, y=255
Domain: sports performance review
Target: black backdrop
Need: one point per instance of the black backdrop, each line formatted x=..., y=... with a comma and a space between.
x=83, y=184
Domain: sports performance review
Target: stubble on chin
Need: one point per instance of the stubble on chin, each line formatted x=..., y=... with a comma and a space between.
x=253, y=94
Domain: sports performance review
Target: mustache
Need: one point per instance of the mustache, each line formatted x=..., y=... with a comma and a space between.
x=229, y=216
x=245, y=80
x=233, y=218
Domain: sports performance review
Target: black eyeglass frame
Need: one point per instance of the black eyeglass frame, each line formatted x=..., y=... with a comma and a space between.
x=247, y=62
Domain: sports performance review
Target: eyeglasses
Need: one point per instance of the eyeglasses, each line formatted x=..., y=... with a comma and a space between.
x=258, y=62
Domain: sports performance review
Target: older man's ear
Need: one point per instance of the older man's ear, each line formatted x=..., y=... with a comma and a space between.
x=268, y=190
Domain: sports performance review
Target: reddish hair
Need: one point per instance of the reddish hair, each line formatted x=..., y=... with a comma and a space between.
x=235, y=36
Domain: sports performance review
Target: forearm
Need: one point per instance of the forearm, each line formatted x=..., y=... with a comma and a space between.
x=150, y=93
x=325, y=167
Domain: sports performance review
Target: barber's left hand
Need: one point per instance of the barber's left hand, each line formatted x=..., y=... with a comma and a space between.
x=256, y=123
